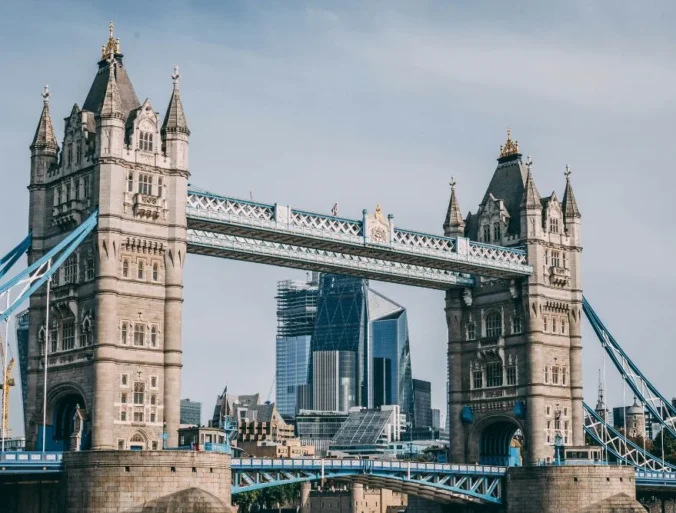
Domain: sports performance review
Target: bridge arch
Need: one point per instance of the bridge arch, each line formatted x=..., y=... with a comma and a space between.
x=62, y=401
x=491, y=439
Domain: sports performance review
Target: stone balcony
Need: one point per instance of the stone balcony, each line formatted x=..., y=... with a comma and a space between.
x=64, y=297
x=68, y=214
x=148, y=206
x=559, y=276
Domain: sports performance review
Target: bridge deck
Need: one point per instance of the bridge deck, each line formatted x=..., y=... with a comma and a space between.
x=231, y=227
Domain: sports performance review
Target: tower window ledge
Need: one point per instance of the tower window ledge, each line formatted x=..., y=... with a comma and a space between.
x=559, y=276
x=491, y=341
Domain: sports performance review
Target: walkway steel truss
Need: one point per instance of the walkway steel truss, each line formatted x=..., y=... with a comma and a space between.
x=623, y=449
x=442, y=482
x=207, y=212
x=313, y=259
x=660, y=408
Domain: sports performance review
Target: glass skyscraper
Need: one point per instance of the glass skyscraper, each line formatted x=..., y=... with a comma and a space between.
x=391, y=353
x=296, y=314
x=342, y=326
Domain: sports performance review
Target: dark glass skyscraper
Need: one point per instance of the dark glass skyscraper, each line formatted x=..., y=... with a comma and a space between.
x=342, y=325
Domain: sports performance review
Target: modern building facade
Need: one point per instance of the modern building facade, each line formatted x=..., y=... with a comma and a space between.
x=436, y=418
x=317, y=428
x=515, y=346
x=422, y=404
x=191, y=412
x=115, y=351
x=334, y=380
x=342, y=328
x=388, y=332
x=296, y=315
x=369, y=432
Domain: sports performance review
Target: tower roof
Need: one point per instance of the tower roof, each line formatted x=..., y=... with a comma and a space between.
x=44, y=134
x=453, y=215
x=97, y=91
x=509, y=150
x=569, y=204
x=174, y=120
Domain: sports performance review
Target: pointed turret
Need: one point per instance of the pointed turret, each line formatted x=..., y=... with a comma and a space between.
x=112, y=104
x=531, y=197
x=44, y=138
x=454, y=225
x=600, y=402
x=174, y=120
x=569, y=205
x=175, y=132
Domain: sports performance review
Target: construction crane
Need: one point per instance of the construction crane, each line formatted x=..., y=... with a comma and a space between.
x=5, y=387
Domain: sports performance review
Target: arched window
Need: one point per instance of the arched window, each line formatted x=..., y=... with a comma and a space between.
x=139, y=392
x=130, y=182
x=139, y=335
x=553, y=225
x=86, y=335
x=124, y=333
x=546, y=373
x=145, y=141
x=494, y=373
x=156, y=271
x=137, y=439
x=497, y=233
x=153, y=336
x=487, y=233
x=145, y=184
x=493, y=324
x=125, y=268
x=141, y=269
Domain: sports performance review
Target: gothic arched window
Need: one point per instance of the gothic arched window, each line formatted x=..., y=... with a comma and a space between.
x=487, y=233
x=125, y=330
x=497, y=233
x=86, y=335
x=153, y=336
x=156, y=271
x=139, y=392
x=141, y=269
x=145, y=141
x=125, y=268
x=493, y=324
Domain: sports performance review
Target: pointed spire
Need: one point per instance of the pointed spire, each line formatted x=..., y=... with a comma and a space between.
x=453, y=215
x=531, y=196
x=174, y=120
x=569, y=204
x=600, y=403
x=112, y=104
x=44, y=135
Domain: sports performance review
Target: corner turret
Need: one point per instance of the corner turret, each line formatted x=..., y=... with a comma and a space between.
x=531, y=206
x=454, y=225
x=175, y=131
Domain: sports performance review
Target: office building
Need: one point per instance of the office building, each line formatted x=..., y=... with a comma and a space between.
x=334, y=380
x=341, y=328
x=296, y=315
x=317, y=428
x=436, y=418
x=369, y=432
x=191, y=412
x=388, y=331
x=422, y=404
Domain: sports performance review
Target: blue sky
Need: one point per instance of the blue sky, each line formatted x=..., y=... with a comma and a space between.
x=311, y=103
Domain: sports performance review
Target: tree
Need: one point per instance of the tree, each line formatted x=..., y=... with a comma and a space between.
x=669, y=446
x=271, y=497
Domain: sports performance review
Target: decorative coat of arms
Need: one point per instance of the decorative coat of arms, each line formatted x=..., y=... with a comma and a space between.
x=378, y=227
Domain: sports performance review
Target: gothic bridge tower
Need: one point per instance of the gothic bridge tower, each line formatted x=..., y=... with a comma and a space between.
x=114, y=334
x=514, y=346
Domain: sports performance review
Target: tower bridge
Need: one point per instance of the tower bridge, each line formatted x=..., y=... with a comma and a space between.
x=112, y=219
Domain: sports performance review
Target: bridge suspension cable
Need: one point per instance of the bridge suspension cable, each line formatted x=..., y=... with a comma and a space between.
x=660, y=408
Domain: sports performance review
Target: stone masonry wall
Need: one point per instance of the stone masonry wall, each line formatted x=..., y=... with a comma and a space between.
x=118, y=481
x=565, y=489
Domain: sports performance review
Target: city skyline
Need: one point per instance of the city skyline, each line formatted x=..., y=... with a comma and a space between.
x=444, y=147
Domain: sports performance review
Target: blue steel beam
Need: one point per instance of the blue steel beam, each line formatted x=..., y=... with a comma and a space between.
x=624, y=450
x=644, y=390
x=276, y=223
x=39, y=272
x=11, y=258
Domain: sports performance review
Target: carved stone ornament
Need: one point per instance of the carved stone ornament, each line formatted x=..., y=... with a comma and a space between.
x=467, y=296
x=378, y=227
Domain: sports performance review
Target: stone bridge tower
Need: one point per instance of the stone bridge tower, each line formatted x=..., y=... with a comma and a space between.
x=114, y=334
x=515, y=347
